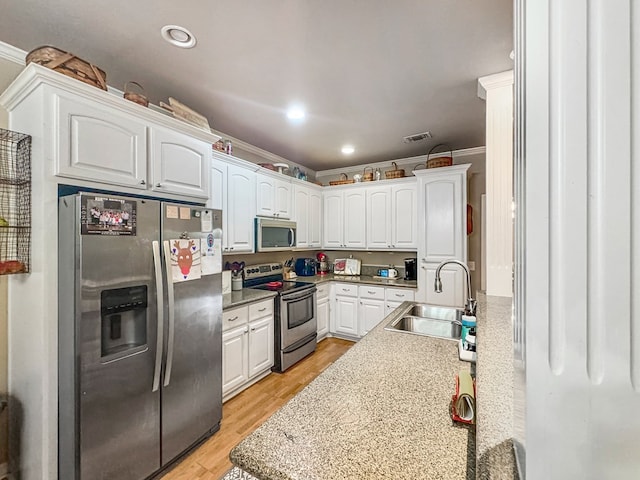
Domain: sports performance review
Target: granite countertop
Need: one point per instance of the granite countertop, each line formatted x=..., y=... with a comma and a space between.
x=381, y=411
x=364, y=279
x=494, y=389
x=242, y=297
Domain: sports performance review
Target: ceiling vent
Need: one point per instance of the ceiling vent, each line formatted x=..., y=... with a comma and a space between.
x=416, y=137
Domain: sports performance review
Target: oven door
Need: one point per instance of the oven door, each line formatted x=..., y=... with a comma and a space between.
x=297, y=316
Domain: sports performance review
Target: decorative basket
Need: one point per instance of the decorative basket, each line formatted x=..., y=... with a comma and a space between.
x=395, y=173
x=443, y=161
x=135, y=97
x=68, y=64
x=342, y=181
x=367, y=176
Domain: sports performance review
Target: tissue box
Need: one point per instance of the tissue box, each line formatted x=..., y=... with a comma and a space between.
x=226, y=281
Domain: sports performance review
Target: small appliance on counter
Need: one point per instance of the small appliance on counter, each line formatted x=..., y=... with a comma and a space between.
x=323, y=263
x=410, y=269
x=346, y=266
x=305, y=267
x=387, y=273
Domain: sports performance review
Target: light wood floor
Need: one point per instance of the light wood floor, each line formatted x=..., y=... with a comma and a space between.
x=247, y=411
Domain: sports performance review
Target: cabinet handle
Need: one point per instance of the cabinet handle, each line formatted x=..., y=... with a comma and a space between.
x=345, y=289
x=246, y=331
x=370, y=292
x=230, y=248
x=158, y=185
x=142, y=182
x=399, y=295
x=253, y=329
x=233, y=319
x=262, y=309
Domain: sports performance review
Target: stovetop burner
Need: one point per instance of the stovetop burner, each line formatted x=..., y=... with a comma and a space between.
x=284, y=286
x=268, y=276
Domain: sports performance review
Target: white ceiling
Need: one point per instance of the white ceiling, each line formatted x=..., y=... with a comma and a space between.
x=369, y=72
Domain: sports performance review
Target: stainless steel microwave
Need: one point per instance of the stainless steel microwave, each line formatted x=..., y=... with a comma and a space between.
x=275, y=235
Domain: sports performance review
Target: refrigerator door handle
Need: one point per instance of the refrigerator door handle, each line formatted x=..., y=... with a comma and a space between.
x=171, y=304
x=157, y=268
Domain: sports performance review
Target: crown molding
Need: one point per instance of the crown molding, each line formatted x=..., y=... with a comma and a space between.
x=11, y=53
x=497, y=80
x=401, y=162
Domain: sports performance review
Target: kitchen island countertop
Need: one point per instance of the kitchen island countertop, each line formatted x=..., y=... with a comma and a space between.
x=381, y=411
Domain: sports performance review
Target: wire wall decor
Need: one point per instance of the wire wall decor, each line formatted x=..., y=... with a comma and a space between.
x=15, y=202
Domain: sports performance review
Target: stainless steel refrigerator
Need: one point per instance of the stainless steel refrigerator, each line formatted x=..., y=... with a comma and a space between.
x=140, y=334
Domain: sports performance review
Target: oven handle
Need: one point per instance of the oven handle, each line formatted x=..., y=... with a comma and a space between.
x=307, y=292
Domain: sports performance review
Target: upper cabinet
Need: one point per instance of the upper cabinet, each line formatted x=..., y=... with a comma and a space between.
x=233, y=190
x=307, y=208
x=344, y=218
x=273, y=197
x=392, y=216
x=101, y=140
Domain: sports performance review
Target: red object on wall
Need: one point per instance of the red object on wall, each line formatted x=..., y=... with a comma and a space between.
x=469, y=219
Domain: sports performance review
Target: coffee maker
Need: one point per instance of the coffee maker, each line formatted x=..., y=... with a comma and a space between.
x=410, y=269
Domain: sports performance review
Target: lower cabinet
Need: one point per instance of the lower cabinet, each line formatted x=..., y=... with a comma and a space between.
x=247, y=346
x=322, y=313
x=360, y=308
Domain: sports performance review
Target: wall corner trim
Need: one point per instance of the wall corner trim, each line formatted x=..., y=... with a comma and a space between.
x=13, y=54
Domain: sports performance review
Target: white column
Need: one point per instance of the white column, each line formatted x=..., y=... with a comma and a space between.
x=582, y=227
x=497, y=90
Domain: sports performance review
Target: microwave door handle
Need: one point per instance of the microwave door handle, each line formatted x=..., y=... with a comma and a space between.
x=293, y=237
x=157, y=268
x=171, y=304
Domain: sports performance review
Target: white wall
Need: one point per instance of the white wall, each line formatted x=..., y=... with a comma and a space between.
x=582, y=220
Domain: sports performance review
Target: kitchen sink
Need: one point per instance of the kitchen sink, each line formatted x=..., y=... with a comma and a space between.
x=429, y=320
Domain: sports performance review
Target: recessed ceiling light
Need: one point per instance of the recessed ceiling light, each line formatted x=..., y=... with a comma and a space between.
x=178, y=36
x=348, y=149
x=296, y=113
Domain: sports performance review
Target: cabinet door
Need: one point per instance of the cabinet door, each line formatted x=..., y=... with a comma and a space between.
x=333, y=218
x=355, y=219
x=346, y=315
x=235, y=369
x=179, y=163
x=98, y=143
x=379, y=217
x=282, y=199
x=371, y=314
x=260, y=345
x=301, y=207
x=390, y=307
x=315, y=218
x=241, y=209
x=323, y=317
x=443, y=235
x=453, y=286
x=265, y=196
x=404, y=226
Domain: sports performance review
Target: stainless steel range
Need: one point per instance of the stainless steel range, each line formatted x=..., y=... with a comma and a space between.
x=295, y=313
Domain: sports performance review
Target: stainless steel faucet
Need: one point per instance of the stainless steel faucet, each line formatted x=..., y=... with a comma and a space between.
x=471, y=303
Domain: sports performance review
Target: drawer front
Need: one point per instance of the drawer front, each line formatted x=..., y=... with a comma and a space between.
x=261, y=309
x=323, y=290
x=346, y=290
x=234, y=318
x=369, y=291
x=400, y=295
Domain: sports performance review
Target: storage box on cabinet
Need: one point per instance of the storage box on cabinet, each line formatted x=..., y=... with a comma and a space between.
x=247, y=346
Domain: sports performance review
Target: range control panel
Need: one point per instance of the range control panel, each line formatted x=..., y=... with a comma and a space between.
x=262, y=270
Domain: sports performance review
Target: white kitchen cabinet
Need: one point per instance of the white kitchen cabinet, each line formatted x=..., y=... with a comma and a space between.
x=371, y=310
x=104, y=139
x=392, y=219
x=179, y=163
x=260, y=345
x=442, y=236
x=273, y=197
x=390, y=307
x=247, y=346
x=395, y=296
x=98, y=142
x=323, y=311
x=235, y=363
x=307, y=206
x=233, y=192
x=345, y=319
x=344, y=219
